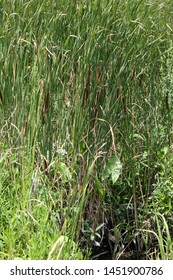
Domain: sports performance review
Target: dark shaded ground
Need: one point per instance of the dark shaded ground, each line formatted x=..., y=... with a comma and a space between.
x=124, y=256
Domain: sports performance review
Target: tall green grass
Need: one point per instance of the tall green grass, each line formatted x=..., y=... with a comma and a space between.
x=80, y=81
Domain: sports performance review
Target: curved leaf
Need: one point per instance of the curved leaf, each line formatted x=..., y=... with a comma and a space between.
x=113, y=168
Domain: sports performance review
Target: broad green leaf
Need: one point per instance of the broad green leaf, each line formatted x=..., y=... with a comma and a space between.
x=113, y=168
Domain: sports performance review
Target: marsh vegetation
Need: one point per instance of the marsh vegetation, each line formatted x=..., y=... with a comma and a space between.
x=86, y=155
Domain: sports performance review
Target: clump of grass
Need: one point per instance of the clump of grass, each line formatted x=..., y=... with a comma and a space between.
x=160, y=245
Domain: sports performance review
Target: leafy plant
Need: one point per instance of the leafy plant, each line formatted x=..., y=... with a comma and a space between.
x=113, y=168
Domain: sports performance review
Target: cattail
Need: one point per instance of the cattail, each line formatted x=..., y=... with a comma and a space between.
x=141, y=80
x=45, y=166
x=1, y=98
x=167, y=102
x=47, y=101
x=117, y=92
x=133, y=73
x=124, y=105
x=98, y=75
x=62, y=74
x=25, y=128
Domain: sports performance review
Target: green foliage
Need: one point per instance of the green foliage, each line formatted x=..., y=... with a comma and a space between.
x=83, y=84
x=164, y=238
x=99, y=187
x=113, y=168
x=64, y=172
x=162, y=195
